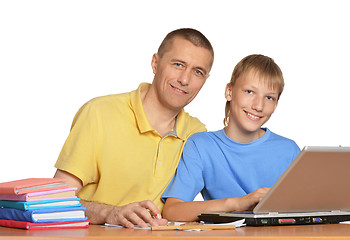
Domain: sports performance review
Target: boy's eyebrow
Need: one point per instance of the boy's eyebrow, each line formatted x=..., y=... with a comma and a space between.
x=272, y=93
x=185, y=63
x=254, y=88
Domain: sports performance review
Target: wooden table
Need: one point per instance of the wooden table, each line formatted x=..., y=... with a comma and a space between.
x=99, y=232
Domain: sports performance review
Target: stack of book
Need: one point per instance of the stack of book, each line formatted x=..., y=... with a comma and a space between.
x=40, y=203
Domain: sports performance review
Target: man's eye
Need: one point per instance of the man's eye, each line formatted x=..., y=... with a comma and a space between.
x=178, y=64
x=198, y=72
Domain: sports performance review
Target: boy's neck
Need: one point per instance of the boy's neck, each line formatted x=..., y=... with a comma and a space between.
x=243, y=137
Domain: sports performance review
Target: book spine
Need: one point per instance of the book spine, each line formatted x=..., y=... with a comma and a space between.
x=13, y=197
x=29, y=225
x=14, y=224
x=13, y=204
x=16, y=214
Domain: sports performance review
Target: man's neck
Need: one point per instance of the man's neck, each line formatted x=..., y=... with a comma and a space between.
x=161, y=118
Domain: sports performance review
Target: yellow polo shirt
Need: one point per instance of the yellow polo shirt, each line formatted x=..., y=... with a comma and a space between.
x=116, y=153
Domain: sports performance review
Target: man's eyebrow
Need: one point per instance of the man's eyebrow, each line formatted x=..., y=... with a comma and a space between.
x=178, y=60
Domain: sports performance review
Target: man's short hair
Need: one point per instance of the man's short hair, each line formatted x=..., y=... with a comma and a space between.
x=192, y=35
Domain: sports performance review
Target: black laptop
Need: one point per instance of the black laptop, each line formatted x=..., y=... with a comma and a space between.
x=314, y=189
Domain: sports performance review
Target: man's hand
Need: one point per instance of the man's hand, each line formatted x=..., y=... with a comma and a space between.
x=249, y=201
x=137, y=213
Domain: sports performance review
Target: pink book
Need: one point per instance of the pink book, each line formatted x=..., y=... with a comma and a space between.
x=31, y=185
x=40, y=226
x=66, y=192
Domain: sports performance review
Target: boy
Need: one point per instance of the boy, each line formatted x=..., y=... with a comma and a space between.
x=234, y=167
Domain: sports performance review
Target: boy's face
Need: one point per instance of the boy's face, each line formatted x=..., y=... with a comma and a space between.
x=252, y=103
x=180, y=73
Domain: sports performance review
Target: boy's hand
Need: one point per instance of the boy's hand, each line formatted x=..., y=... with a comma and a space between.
x=249, y=201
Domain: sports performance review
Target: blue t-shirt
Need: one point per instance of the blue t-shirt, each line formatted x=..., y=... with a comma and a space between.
x=219, y=167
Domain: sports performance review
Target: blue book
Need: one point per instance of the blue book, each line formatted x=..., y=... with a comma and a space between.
x=64, y=214
x=53, y=203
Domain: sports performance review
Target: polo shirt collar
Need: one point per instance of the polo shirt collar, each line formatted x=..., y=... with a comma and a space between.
x=136, y=103
x=180, y=125
x=142, y=121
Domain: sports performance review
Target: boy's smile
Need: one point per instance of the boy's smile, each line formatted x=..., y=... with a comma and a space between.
x=252, y=103
x=253, y=117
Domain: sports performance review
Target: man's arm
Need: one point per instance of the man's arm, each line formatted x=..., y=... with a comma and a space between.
x=72, y=180
x=179, y=210
x=139, y=213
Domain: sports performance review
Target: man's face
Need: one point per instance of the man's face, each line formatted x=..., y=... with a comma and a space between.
x=252, y=103
x=180, y=73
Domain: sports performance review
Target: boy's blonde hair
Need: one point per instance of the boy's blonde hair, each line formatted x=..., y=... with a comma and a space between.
x=267, y=70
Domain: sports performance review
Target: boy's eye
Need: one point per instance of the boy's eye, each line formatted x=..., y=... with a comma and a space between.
x=249, y=91
x=270, y=98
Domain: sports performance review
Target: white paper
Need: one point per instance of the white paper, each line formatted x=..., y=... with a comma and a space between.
x=239, y=223
x=120, y=226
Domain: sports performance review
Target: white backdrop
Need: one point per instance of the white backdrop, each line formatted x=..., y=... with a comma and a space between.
x=56, y=55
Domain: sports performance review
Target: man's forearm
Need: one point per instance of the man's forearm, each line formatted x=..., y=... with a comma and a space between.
x=97, y=212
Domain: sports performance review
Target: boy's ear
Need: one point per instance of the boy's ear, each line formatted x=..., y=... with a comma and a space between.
x=228, y=92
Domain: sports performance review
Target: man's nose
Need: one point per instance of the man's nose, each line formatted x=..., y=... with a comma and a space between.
x=185, y=77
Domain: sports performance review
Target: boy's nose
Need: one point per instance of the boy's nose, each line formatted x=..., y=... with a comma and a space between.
x=258, y=104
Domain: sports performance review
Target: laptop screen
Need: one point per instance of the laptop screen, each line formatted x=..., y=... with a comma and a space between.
x=317, y=180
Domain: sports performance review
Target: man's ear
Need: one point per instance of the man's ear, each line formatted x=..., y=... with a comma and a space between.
x=154, y=62
x=228, y=92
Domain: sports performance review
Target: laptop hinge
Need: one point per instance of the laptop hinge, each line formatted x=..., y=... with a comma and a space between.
x=273, y=213
x=335, y=211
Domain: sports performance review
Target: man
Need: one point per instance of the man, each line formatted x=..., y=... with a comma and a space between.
x=123, y=149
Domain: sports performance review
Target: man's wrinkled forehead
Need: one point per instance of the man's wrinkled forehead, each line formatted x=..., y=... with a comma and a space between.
x=172, y=43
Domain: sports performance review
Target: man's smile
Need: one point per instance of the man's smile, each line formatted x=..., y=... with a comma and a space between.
x=178, y=89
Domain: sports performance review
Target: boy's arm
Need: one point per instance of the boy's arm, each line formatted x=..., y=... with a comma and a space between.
x=134, y=213
x=181, y=211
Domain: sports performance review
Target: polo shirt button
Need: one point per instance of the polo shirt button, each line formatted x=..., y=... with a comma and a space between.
x=159, y=162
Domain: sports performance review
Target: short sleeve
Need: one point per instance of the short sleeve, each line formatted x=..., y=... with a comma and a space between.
x=188, y=180
x=78, y=155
